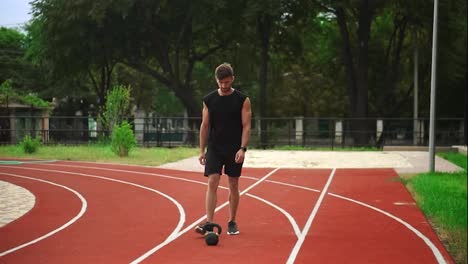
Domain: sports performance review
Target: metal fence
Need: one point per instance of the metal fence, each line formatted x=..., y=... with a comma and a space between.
x=299, y=131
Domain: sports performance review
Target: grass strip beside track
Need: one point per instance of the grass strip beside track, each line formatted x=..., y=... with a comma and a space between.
x=100, y=153
x=443, y=199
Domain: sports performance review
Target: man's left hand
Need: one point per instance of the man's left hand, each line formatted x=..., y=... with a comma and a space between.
x=240, y=155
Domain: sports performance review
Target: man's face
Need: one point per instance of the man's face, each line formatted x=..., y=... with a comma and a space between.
x=225, y=83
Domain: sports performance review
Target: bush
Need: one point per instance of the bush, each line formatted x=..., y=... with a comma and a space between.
x=30, y=145
x=122, y=139
x=116, y=107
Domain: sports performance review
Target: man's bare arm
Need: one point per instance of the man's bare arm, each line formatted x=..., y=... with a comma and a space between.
x=204, y=133
x=246, y=122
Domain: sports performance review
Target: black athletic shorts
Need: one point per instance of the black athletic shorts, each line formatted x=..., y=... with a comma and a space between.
x=215, y=160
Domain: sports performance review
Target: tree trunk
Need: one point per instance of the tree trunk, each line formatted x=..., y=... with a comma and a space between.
x=264, y=29
x=357, y=76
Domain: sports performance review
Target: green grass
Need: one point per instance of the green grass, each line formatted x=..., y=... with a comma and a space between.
x=102, y=153
x=455, y=158
x=443, y=199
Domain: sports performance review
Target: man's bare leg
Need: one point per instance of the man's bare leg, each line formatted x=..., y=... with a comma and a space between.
x=211, y=196
x=233, y=197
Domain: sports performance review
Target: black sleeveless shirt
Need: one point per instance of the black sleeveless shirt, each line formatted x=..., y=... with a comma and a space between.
x=225, y=132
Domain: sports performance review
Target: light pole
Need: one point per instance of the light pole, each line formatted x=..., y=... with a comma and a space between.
x=433, y=90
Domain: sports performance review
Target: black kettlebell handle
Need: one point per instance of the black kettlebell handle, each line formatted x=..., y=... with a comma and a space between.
x=210, y=226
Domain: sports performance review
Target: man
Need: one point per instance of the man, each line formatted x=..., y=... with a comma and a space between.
x=225, y=130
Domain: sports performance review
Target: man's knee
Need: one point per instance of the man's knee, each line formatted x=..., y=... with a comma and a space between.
x=213, y=181
x=234, y=183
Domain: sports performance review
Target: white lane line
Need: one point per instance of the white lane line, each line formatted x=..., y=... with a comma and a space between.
x=435, y=250
x=181, y=222
x=440, y=259
x=291, y=219
x=308, y=224
x=126, y=171
x=84, y=205
x=191, y=226
x=297, y=231
x=293, y=222
x=284, y=183
x=293, y=185
x=173, y=235
x=37, y=161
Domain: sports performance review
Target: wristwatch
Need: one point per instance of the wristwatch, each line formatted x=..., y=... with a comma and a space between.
x=244, y=149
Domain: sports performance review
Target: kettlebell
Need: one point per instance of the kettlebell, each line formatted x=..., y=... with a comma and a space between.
x=212, y=236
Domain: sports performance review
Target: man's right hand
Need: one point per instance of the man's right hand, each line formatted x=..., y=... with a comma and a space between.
x=202, y=159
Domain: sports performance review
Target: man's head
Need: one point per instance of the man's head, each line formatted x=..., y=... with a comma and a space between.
x=224, y=70
x=224, y=77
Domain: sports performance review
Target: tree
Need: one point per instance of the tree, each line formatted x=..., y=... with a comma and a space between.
x=271, y=20
x=175, y=35
x=77, y=38
x=6, y=94
x=13, y=65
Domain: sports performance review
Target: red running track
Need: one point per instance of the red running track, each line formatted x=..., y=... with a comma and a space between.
x=103, y=213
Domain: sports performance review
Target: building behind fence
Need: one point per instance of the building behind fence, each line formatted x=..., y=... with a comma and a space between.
x=299, y=131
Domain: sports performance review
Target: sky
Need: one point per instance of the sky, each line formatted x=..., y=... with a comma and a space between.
x=13, y=13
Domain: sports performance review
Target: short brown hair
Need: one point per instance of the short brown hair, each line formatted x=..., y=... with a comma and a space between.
x=224, y=70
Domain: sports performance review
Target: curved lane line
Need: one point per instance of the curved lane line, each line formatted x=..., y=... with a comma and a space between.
x=293, y=222
x=297, y=231
x=126, y=171
x=190, y=227
x=308, y=224
x=293, y=185
x=434, y=249
x=38, y=161
x=440, y=259
x=84, y=205
x=174, y=233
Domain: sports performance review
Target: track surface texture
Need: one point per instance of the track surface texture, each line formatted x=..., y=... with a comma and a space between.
x=105, y=213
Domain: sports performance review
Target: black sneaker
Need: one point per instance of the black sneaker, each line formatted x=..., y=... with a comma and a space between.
x=200, y=229
x=232, y=228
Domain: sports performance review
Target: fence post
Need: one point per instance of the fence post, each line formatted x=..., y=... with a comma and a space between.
x=339, y=131
x=379, y=129
x=13, y=127
x=139, y=123
x=421, y=131
x=299, y=129
x=416, y=134
x=45, y=127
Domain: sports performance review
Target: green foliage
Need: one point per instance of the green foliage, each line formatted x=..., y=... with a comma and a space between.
x=5, y=87
x=178, y=44
x=30, y=145
x=6, y=92
x=12, y=65
x=123, y=139
x=10, y=38
x=8, y=95
x=34, y=100
x=116, y=107
x=166, y=103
